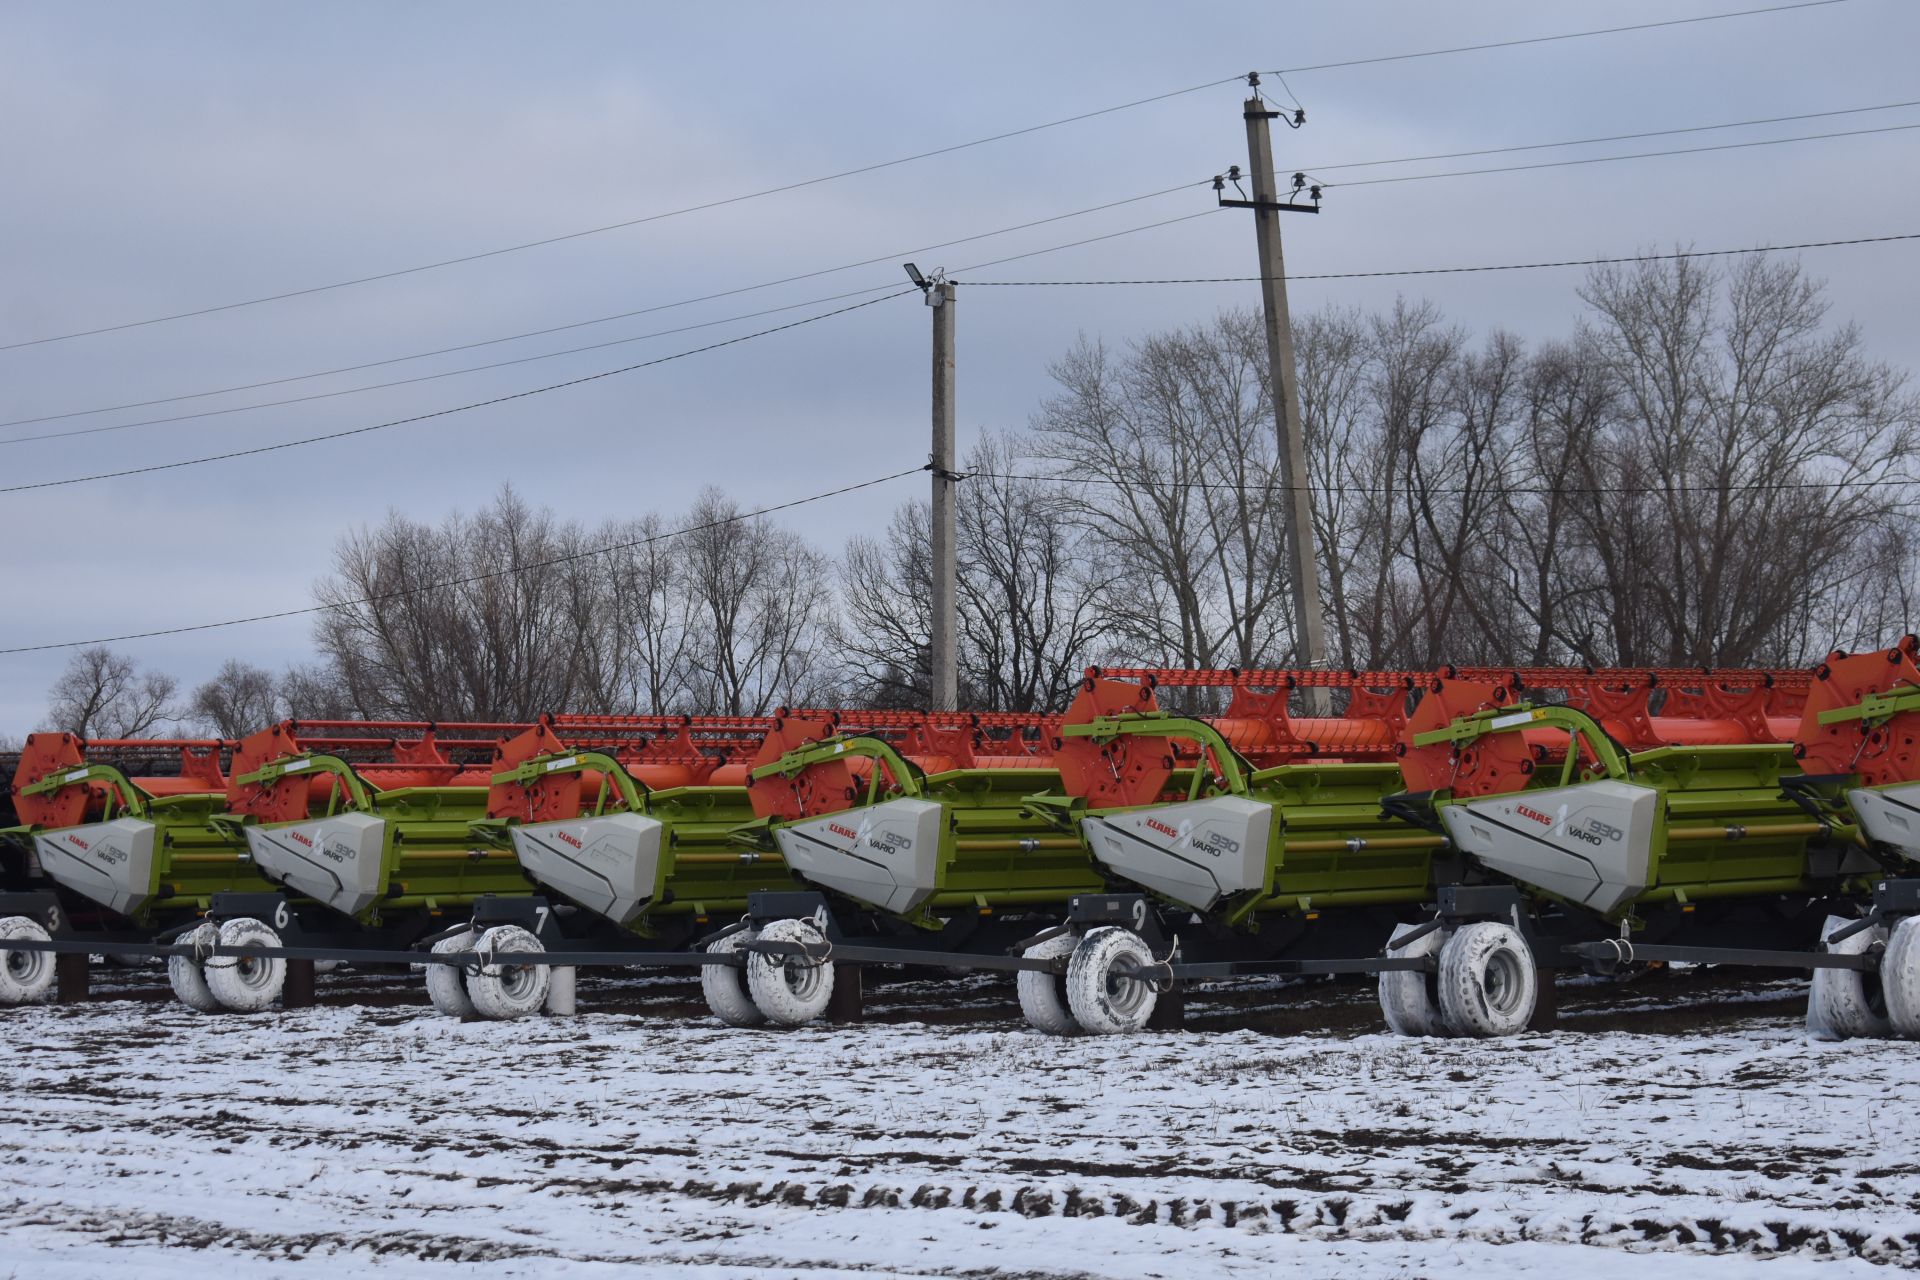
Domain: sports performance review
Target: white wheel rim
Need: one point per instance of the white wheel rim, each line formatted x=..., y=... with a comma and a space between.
x=518, y=981
x=1504, y=982
x=1126, y=995
x=803, y=980
x=253, y=973
x=23, y=966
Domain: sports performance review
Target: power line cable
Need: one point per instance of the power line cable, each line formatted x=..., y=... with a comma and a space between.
x=1183, y=280
x=478, y=577
x=1445, y=271
x=429, y=377
x=581, y=324
x=1615, y=137
x=567, y=351
x=1565, y=35
x=875, y=167
x=441, y=413
x=612, y=226
x=1531, y=490
x=809, y=275
x=1636, y=155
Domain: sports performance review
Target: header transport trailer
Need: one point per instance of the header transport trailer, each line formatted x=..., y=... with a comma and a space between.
x=914, y=844
x=1633, y=834
x=114, y=841
x=575, y=807
x=360, y=828
x=624, y=825
x=1859, y=747
x=1042, y=838
x=1259, y=841
x=1305, y=860
x=1149, y=851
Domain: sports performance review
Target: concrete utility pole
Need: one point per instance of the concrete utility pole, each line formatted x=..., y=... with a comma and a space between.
x=1309, y=628
x=945, y=692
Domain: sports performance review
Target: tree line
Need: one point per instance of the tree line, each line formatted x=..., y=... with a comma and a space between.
x=1705, y=471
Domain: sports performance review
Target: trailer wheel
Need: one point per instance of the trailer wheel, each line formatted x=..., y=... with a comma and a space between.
x=246, y=984
x=1105, y=1000
x=185, y=974
x=1410, y=998
x=25, y=976
x=504, y=990
x=1843, y=1003
x=446, y=983
x=791, y=990
x=1487, y=981
x=1900, y=977
x=1043, y=996
x=725, y=987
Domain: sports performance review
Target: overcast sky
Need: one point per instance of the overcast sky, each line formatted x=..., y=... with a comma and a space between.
x=161, y=158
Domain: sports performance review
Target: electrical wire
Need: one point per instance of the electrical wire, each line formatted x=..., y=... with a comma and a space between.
x=442, y=413
x=1615, y=137
x=549, y=355
x=1446, y=271
x=612, y=226
x=478, y=577
x=809, y=275
x=581, y=324
x=1337, y=275
x=1565, y=35
x=1637, y=155
x=872, y=168
x=1528, y=490
x=426, y=377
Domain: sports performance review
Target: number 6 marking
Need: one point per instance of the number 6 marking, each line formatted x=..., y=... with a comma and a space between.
x=281, y=916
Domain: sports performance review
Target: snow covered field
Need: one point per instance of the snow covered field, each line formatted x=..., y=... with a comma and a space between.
x=372, y=1137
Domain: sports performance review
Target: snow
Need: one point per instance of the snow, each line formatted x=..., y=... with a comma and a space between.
x=643, y=1139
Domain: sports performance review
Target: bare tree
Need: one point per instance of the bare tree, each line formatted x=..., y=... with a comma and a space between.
x=882, y=631
x=238, y=700
x=758, y=597
x=1753, y=460
x=1173, y=468
x=103, y=694
x=241, y=698
x=1351, y=479
x=315, y=691
x=1704, y=472
x=636, y=608
x=1028, y=614
x=475, y=619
